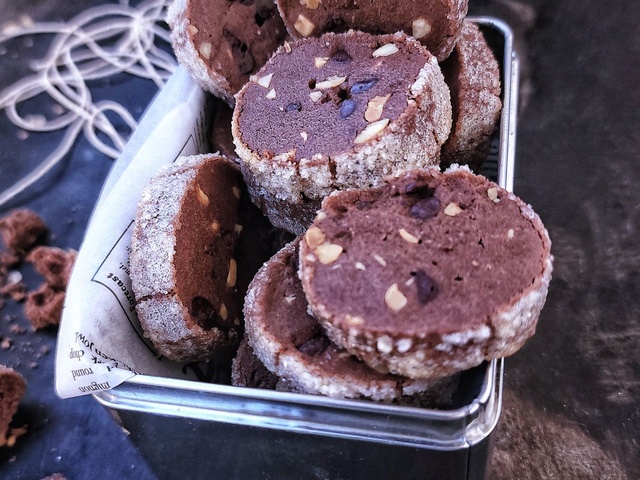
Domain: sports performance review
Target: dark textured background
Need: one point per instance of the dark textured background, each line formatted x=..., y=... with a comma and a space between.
x=572, y=395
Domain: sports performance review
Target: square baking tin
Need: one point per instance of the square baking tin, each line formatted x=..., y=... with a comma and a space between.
x=193, y=430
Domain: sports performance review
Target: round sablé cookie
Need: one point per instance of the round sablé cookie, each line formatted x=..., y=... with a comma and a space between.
x=292, y=344
x=336, y=112
x=248, y=371
x=428, y=275
x=473, y=76
x=183, y=272
x=221, y=42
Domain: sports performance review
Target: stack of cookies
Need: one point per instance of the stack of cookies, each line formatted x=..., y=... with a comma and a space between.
x=337, y=120
x=398, y=288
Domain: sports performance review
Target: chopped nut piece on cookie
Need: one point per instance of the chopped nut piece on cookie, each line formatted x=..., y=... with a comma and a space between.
x=420, y=27
x=408, y=237
x=328, y=252
x=303, y=26
x=385, y=50
x=493, y=194
x=312, y=4
x=314, y=237
x=265, y=80
x=360, y=113
x=394, y=298
x=379, y=259
x=205, y=50
x=375, y=107
x=319, y=62
x=371, y=131
x=202, y=197
x=331, y=82
x=452, y=209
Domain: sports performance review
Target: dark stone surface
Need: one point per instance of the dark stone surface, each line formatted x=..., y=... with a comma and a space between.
x=76, y=437
x=572, y=394
x=578, y=160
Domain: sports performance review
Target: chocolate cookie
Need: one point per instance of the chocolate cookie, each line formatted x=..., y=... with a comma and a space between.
x=428, y=275
x=221, y=43
x=336, y=112
x=248, y=371
x=436, y=23
x=473, y=76
x=183, y=272
x=292, y=344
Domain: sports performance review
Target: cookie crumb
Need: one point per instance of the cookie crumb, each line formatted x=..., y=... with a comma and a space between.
x=12, y=388
x=20, y=230
x=43, y=306
x=54, y=264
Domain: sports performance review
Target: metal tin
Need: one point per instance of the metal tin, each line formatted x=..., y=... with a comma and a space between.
x=194, y=430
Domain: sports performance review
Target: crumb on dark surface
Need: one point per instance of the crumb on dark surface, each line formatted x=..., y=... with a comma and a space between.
x=12, y=286
x=20, y=230
x=55, y=476
x=43, y=306
x=12, y=389
x=54, y=264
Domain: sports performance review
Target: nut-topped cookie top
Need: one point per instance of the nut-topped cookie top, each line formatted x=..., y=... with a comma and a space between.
x=430, y=274
x=436, y=23
x=428, y=253
x=329, y=95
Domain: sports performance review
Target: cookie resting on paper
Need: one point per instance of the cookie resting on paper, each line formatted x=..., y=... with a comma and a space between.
x=183, y=271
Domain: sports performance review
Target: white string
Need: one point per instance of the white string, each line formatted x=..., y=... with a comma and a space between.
x=101, y=42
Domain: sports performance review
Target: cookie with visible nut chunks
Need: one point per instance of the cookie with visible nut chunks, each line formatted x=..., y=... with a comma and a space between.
x=222, y=43
x=337, y=112
x=473, y=76
x=292, y=344
x=428, y=275
x=183, y=272
x=436, y=23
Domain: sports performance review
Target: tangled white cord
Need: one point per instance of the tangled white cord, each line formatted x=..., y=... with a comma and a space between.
x=98, y=43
